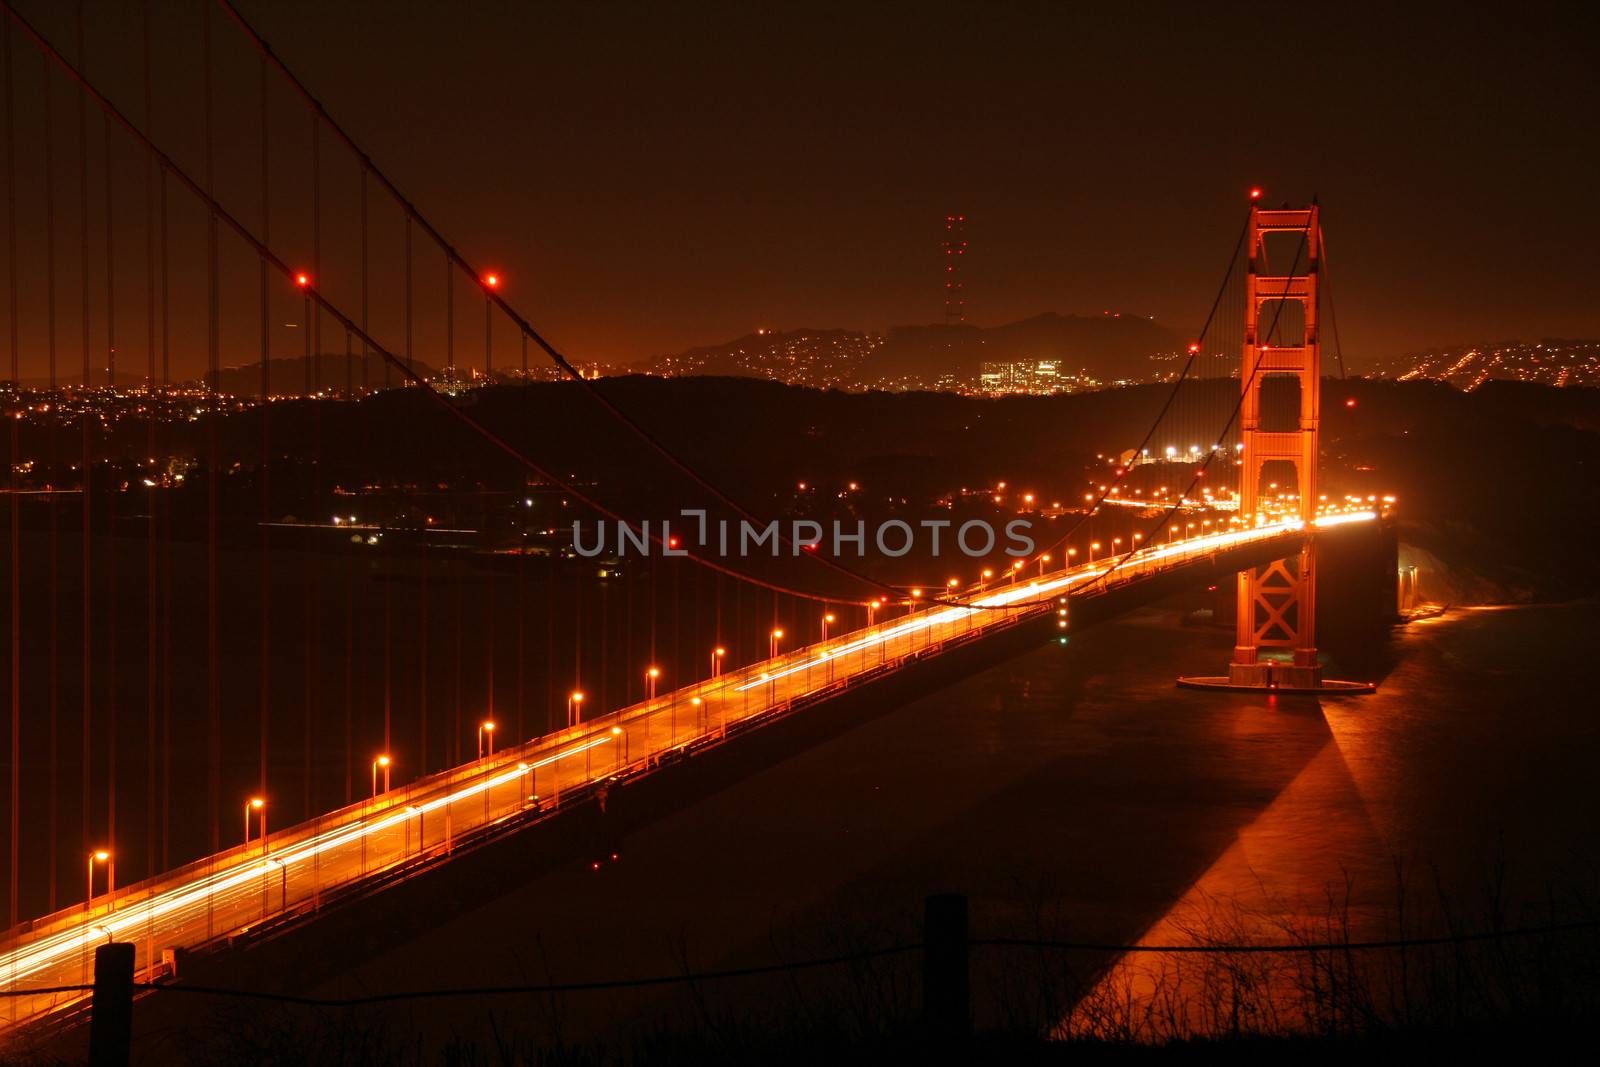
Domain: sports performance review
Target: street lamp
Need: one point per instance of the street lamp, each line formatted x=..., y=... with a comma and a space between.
x=574, y=707
x=650, y=677
x=101, y=856
x=826, y=619
x=1042, y=561
x=772, y=644
x=485, y=733
x=1094, y=546
x=384, y=762
x=255, y=804
x=987, y=574
x=716, y=660
x=617, y=731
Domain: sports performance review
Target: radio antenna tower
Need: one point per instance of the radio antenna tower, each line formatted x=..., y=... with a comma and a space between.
x=955, y=250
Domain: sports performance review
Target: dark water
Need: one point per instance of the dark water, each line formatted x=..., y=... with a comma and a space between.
x=1075, y=789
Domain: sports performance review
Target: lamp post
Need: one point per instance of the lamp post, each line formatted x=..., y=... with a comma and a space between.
x=772, y=644
x=1042, y=561
x=256, y=804
x=574, y=707
x=101, y=856
x=650, y=677
x=486, y=734
x=384, y=762
x=826, y=619
x=617, y=731
x=1094, y=546
x=716, y=661
x=984, y=580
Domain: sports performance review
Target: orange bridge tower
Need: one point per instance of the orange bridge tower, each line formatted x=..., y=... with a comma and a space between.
x=1277, y=602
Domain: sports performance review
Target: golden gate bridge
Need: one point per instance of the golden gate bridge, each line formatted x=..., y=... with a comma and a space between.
x=227, y=255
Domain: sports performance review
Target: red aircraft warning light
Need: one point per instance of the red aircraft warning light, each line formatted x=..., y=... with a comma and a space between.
x=303, y=280
x=492, y=281
x=1350, y=402
x=1194, y=347
x=1255, y=193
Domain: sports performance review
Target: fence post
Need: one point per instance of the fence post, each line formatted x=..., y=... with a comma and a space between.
x=946, y=995
x=111, y=1005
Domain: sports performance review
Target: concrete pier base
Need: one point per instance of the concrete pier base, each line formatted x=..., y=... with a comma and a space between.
x=1279, y=678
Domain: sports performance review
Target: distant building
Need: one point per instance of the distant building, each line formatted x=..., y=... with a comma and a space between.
x=1030, y=377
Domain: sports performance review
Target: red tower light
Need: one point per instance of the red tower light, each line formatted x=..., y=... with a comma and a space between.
x=1350, y=402
x=303, y=280
x=492, y=281
x=1194, y=347
x=1255, y=193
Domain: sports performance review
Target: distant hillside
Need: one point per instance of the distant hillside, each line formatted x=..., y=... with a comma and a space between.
x=1549, y=362
x=1110, y=348
x=331, y=371
x=821, y=358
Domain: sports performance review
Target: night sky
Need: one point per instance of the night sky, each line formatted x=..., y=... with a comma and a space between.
x=650, y=177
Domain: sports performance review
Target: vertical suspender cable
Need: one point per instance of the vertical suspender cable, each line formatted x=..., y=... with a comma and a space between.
x=388, y=663
x=364, y=283
x=152, y=497
x=409, y=363
x=1333, y=315
x=166, y=546
x=522, y=626
x=16, y=531
x=50, y=474
x=214, y=462
x=454, y=747
x=265, y=301
x=112, y=743
x=349, y=686
x=422, y=658
x=488, y=524
x=314, y=338
x=85, y=480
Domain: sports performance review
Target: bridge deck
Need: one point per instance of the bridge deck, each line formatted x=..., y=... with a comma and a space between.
x=226, y=894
